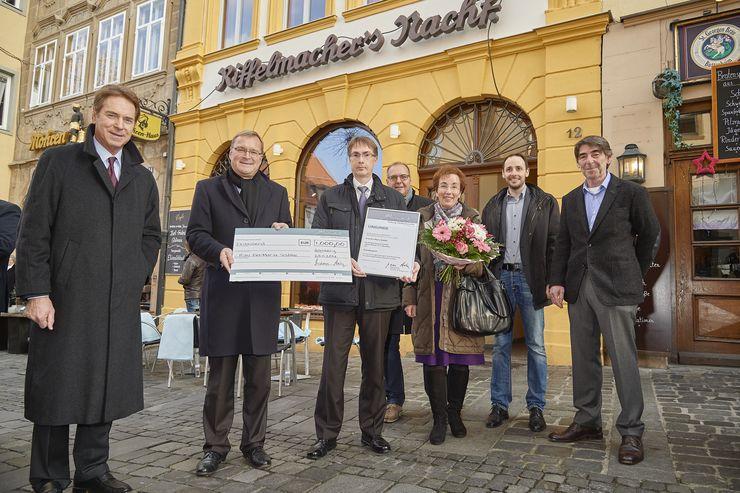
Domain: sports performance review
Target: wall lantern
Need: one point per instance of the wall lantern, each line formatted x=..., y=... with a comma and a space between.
x=632, y=164
x=277, y=150
x=395, y=131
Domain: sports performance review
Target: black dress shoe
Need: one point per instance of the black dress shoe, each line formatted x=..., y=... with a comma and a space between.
x=209, y=463
x=377, y=443
x=536, y=420
x=321, y=448
x=631, y=451
x=49, y=487
x=496, y=417
x=258, y=457
x=102, y=484
x=576, y=432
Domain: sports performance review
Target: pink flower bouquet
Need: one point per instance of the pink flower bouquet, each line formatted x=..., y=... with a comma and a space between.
x=458, y=243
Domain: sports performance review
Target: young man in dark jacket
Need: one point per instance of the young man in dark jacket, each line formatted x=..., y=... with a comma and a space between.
x=525, y=220
x=367, y=302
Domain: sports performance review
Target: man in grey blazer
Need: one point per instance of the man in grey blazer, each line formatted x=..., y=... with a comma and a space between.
x=607, y=240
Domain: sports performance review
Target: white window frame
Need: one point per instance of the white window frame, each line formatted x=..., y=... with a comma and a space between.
x=239, y=7
x=18, y=4
x=147, y=44
x=7, y=93
x=109, y=42
x=71, y=57
x=47, y=70
x=306, y=13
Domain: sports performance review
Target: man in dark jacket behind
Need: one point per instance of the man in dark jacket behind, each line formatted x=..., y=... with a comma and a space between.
x=367, y=302
x=88, y=240
x=191, y=279
x=10, y=215
x=525, y=220
x=398, y=176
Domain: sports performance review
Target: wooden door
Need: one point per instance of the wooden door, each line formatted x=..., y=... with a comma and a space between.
x=707, y=262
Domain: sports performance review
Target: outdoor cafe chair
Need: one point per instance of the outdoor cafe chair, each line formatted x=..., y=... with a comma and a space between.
x=150, y=336
x=176, y=343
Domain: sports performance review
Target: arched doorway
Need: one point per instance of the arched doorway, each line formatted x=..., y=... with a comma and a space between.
x=476, y=137
x=324, y=163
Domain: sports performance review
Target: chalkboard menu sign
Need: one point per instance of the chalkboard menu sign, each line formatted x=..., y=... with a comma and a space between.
x=176, y=241
x=726, y=111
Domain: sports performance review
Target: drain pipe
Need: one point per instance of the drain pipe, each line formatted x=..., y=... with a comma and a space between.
x=161, y=274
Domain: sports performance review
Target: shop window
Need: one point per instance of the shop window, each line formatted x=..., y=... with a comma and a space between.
x=324, y=165
x=43, y=73
x=696, y=128
x=75, y=59
x=715, y=214
x=478, y=133
x=303, y=11
x=149, y=37
x=5, y=87
x=110, y=50
x=238, y=22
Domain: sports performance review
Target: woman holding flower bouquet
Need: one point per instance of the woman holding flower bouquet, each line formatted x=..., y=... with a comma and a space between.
x=452, y=243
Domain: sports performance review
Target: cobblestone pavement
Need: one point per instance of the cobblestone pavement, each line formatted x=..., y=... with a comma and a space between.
x=692, y=415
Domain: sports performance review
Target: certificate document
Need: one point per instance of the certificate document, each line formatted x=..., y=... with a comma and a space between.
x=389, y=242
x=266, y=254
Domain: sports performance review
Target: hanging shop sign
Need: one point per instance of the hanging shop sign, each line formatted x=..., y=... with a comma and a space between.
x=148, y=126
x=703, y=43
x=52, y=138
x=412, y=27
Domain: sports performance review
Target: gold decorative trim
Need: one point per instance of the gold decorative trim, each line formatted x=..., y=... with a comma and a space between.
x=232, y=51
x=362, y=11
x=301, y=30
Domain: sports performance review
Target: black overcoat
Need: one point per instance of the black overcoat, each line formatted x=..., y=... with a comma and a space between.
x=240, y=317
x=10, y=215
x=90, y=248
x=617, y=252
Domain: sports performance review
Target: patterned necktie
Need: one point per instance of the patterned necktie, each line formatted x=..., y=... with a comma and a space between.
x=112, y=171
x=362, y=201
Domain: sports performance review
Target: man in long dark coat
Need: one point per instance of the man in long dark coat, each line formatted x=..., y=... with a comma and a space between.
x=89, y=238
x=236, y=318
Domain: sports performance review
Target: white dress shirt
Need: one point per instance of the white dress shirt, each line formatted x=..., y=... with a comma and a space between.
x=105, y=154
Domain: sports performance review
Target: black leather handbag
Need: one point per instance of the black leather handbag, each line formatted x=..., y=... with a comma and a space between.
x=481, y=307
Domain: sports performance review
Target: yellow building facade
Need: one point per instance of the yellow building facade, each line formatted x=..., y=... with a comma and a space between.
x=542, y=52
x=13, y=18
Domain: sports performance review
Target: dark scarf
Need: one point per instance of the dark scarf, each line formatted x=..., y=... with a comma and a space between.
x=445, y=215
x=248, y=191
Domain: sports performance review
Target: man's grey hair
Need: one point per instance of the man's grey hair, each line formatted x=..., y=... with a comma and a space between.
x=247, y=133
x=594, y=141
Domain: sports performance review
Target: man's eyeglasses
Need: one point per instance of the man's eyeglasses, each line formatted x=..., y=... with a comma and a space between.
x=357, y=155
x=399, y=177
x=249, y=152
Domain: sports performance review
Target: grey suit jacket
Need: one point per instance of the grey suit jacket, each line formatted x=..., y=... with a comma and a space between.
x=617, y=252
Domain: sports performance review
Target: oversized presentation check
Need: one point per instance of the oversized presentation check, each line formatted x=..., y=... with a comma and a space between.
x=388, y=243
x=266, y=254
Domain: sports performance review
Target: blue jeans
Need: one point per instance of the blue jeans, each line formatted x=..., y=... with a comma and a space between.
x=520, y=297
x=192, y=304
x=394, y=389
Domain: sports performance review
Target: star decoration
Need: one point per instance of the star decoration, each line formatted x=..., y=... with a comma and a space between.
x=701, y=169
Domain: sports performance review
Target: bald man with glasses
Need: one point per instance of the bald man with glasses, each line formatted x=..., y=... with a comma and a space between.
x=398, y=177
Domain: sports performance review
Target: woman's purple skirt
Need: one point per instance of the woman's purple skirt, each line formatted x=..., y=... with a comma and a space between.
x=440, y=357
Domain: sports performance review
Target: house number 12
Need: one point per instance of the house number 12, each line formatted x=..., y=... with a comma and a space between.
x=575, y=133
